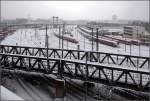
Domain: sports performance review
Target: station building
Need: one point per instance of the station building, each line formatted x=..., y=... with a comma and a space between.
x=134, y=31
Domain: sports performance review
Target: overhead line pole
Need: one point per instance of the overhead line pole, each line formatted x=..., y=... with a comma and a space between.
x=63, y=36
x=47, y=47
x=97, y=48
x=92, y=40
x=59, y=35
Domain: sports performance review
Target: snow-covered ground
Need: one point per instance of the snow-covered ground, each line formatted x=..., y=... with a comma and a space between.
x=21, y=89
x=36, y=38
x=8, y=95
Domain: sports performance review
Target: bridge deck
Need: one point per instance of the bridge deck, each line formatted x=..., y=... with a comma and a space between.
x=101, y=65
x=74, y=50
x=124, y=76
x=123, y=60
x=110, y=66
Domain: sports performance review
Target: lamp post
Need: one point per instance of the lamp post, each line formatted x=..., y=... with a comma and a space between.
x=139, y=43
x=84, y=42
x=46, y=43
x=125, y=43
x=97, y=48
x=63, y=30
x=59, y=35
x=149, y=54
x=56, y=22
x=92, y=40
x=53, y=20
x=47, y=47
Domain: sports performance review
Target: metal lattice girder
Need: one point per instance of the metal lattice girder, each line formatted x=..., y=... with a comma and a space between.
x=29, y=62
x=116, y=74
x=93, y=56
x=96, y=72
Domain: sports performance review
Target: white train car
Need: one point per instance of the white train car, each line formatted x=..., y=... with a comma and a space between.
x=8, y=95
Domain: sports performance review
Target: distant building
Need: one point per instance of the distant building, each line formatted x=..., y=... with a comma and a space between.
x=21, y=20
x=134, y=31
x=114, y=17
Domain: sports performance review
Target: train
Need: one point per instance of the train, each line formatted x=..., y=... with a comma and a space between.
x=67, y=37
x=7, y=31
x=102, y=40
x=127, y=41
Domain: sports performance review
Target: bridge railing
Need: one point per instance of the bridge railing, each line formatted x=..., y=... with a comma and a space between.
x=84, y=70
x=93, y=56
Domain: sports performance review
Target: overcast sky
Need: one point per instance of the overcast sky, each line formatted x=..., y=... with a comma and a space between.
x=72, y=10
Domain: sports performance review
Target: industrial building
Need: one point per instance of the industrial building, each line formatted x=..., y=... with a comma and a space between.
x=134, y=31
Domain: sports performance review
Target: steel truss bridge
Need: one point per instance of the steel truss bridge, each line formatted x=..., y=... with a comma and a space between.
x=107, y=68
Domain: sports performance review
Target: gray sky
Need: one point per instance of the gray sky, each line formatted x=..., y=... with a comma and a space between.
x=71, y=10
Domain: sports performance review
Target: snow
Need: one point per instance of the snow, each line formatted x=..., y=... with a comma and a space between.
x=8, y=95
x=30, y=37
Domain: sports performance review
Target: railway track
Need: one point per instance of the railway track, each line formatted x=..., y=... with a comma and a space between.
x=50, y=81
x=130, y=95
x=33, y=90
x=79, y=91
x=71, y=88
x=23, y=87
x=30, y=91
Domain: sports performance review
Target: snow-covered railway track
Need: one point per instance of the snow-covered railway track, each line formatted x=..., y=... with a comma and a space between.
x=27, y=88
